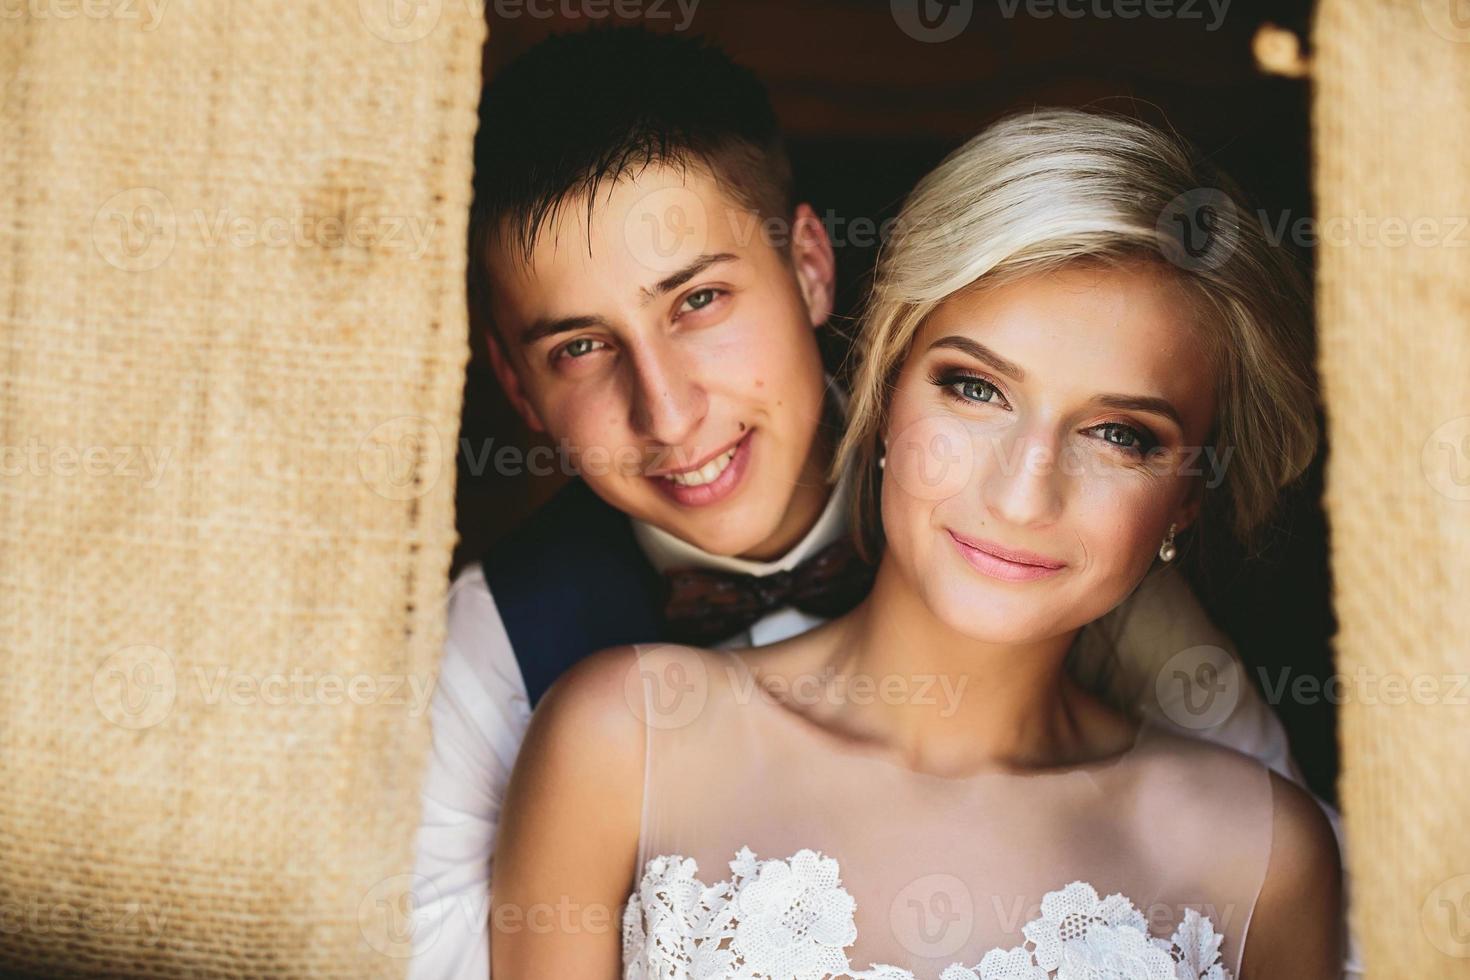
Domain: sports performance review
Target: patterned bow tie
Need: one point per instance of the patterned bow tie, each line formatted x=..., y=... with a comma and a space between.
x=705, y=606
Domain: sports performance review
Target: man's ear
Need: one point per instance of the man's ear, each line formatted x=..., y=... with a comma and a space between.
x=816, y=269
x=510, y=381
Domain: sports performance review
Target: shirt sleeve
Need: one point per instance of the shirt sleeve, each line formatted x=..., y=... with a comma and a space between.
x=1159, y=655
x=479, y=714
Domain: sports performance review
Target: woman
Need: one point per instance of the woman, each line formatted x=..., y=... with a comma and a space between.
x=918, y=789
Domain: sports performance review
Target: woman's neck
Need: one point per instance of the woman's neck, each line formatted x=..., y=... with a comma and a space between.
x=949, y=703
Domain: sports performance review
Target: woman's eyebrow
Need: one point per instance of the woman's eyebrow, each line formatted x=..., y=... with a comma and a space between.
x=1134, y=403
x=980, y=352
x=1142, y=403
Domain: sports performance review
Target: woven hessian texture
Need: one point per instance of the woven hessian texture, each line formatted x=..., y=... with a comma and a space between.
x=1392, y=135
x=232, y=322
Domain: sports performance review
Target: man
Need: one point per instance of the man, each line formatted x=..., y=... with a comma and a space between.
x=644, y=313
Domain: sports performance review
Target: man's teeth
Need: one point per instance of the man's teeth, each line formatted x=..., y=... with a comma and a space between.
x=707, y=473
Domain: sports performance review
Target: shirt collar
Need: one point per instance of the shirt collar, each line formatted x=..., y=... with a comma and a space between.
x=666, y=551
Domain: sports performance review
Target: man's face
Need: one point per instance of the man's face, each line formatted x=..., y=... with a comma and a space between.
x=671, y=346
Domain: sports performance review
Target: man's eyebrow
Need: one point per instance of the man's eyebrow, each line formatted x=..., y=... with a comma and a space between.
x=980, y=352
x=551, y=326
x=673, y=282
x=1142, y=403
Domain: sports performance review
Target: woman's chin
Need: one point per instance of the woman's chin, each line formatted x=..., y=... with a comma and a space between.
x=1007, y=620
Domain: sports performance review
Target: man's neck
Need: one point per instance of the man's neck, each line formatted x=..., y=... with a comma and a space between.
x=808, y=500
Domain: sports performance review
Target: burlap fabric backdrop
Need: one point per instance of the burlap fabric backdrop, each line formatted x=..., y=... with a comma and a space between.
x=1392, y=137
x=233, y=335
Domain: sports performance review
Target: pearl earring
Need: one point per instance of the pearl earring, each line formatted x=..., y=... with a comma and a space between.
x=883, y=458
x=1167, y=551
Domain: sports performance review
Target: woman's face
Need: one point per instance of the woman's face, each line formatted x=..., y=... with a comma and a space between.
x=1042, y=435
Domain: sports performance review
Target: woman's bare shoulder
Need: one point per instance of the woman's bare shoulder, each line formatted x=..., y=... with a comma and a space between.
x=1296, y=928
x=617, y=693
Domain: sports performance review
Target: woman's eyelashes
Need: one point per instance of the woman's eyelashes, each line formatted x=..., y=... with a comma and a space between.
x=1137, y=441
x=969, y=388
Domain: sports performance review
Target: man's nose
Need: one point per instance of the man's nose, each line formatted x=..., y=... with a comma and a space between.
x=669, y=400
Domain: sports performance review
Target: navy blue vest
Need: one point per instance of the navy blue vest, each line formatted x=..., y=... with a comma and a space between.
x=570, y=581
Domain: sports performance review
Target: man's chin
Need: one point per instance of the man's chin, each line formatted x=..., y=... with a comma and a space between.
x=730, y=534
x=727, y=542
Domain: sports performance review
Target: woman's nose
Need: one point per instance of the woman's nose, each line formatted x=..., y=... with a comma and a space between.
x=1023, y=481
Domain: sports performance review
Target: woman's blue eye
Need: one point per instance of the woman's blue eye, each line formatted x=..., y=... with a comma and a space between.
x=967, y=387
x=1127, y=437
x=976, y=390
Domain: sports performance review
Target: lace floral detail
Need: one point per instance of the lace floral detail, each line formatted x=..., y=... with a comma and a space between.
x=788, y=919
x=793, y=920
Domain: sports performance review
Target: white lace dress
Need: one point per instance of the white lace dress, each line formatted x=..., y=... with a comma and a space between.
x=793, y=920
x=830, y=861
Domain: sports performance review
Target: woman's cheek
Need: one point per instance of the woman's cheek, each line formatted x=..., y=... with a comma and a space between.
x=930, y=458
x=1119, y=522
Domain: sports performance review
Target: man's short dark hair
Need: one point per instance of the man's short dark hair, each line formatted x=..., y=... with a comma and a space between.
x=583, y=110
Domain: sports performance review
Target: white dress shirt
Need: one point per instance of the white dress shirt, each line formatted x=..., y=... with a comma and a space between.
x=480, y=711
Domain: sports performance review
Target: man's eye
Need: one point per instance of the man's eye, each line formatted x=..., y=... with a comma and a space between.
x=700, y=299
x=582, y=346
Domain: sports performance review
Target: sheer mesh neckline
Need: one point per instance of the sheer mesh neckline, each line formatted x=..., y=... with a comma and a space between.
x=1170, y=822
x=877, y=755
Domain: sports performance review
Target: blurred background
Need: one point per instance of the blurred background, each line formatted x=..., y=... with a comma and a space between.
x=871, y=100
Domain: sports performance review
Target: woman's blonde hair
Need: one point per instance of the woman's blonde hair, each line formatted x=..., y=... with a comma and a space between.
x=1047, y=188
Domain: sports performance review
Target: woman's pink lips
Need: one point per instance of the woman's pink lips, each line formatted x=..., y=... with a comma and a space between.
x=722, y=486
x=1005, y=569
